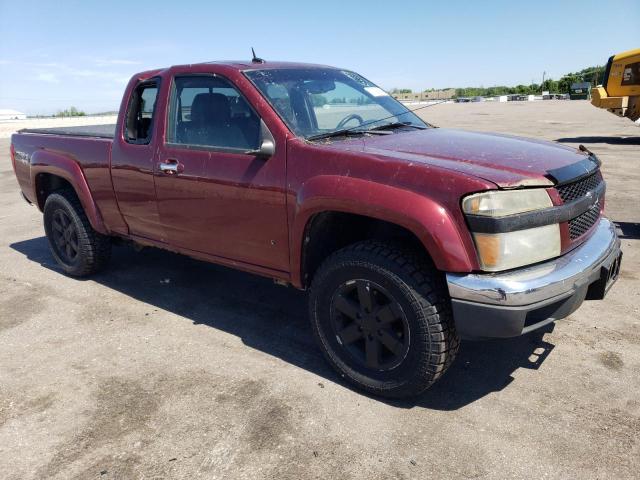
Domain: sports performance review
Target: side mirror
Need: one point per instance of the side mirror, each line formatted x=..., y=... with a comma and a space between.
x=267, y=143
x=267, y=148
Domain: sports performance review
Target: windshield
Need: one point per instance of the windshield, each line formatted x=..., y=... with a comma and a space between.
x=318, y=101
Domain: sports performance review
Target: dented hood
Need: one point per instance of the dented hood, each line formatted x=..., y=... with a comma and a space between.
x=507, y=161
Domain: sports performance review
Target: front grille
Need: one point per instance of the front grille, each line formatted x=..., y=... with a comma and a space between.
x=582, y=223
x=570, y=192
x=575, y=190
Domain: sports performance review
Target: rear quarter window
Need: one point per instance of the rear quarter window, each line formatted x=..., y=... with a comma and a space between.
x=141, y=112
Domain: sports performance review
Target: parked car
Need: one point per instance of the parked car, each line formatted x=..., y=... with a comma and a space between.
x=407, y=237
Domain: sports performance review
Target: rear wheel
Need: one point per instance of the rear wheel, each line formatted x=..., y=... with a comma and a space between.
x=75, y=245
x=382, y=317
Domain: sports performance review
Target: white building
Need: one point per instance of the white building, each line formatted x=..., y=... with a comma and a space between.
x=7, y=114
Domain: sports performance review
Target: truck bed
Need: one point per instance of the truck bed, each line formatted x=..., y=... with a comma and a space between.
x=100, y=131
x=87, y=146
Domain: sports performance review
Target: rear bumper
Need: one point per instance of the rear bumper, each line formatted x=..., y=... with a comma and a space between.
x=516, y=302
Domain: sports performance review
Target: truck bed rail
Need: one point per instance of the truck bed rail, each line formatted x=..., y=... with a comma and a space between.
x=99, y=131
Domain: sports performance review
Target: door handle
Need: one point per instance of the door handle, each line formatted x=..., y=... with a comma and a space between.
x=171, y=167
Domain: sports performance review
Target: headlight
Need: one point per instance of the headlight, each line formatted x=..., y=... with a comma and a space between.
x=500, y=203
x=502, y=251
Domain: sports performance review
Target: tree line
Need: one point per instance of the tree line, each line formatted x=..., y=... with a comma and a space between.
x=593, y=75
x=70, y=112
x=320, y=100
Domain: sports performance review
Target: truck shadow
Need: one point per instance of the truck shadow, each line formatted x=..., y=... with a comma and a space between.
x=628, y=230
x=273, y=319
x=597, y=139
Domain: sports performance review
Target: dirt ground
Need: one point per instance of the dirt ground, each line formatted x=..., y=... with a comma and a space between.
x=165, y=367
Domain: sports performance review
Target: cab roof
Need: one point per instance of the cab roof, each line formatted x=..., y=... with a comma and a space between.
x=243, y=65
x=238, y=65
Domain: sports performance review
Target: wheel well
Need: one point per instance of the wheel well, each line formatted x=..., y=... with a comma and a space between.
x=328, y=232
x=46, y=184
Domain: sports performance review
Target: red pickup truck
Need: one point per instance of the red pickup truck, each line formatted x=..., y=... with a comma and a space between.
x=407, y=236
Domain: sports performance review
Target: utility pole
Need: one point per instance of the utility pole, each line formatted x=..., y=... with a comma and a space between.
x=543, y=74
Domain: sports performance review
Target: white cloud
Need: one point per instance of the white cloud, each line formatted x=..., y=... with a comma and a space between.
x=61, y=71
x=78, y=74
x=117, y=61
x=48, y=77
x=85, y=73
x=112, y=62
x=41, y=64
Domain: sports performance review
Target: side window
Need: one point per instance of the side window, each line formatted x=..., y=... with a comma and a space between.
x=209, y=111
x=139, y=121
x=631, y=74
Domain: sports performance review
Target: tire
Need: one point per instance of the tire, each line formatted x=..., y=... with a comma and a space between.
x=414, y=349
x=73, y=242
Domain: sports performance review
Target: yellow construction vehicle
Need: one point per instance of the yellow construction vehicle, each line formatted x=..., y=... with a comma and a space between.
x=620, y=93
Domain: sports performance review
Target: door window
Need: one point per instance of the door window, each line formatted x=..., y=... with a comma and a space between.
x=139, y=121
x=209, y=111
x=631, y=74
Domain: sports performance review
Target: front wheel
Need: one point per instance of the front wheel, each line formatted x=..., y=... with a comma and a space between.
x=382, y=318
x=75, y=245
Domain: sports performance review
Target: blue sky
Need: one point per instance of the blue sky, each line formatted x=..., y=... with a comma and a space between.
x=58, y=53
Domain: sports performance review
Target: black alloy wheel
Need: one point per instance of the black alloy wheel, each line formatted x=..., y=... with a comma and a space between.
x=76, y=246
x=370, y=325
x=65, y=237
x=382, y=317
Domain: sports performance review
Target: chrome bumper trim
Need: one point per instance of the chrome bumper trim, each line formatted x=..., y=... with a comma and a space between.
x=555, y=278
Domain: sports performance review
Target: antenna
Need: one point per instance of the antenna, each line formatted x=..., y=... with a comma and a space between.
x=255, y=59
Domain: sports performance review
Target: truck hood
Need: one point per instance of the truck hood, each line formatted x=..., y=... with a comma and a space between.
x=505, y=160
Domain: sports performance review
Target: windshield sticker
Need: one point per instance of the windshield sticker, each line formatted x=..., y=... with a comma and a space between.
x=376, y=91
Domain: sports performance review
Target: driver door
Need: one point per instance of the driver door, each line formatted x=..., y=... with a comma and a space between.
x=214, y=194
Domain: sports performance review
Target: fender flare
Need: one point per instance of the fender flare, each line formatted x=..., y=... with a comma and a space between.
x=429, y=221
x=44, y=161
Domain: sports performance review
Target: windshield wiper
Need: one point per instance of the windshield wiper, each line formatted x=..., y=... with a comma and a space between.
x=345, y=132
x=393, y=125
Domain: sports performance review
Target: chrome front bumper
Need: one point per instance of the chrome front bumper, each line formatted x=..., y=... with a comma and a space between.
x=515, y=302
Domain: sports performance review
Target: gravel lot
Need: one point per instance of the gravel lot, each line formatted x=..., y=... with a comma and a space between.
x=165, y=367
